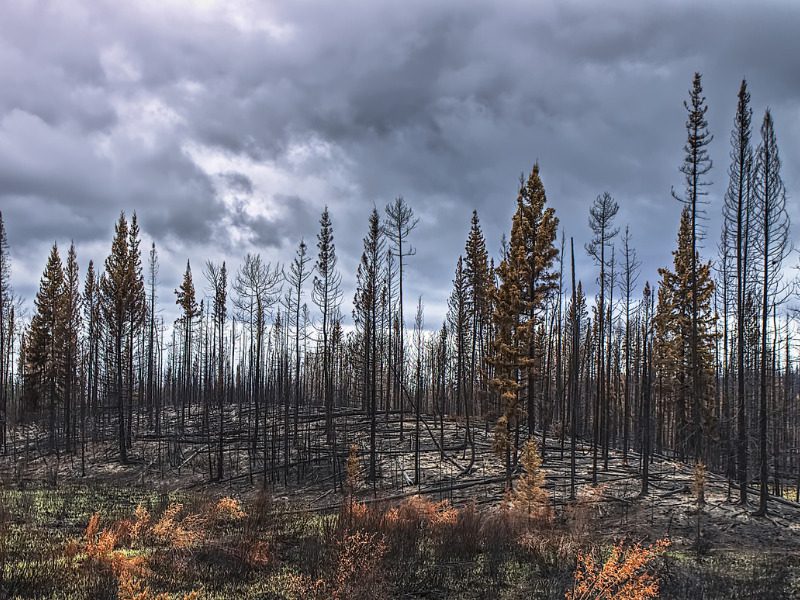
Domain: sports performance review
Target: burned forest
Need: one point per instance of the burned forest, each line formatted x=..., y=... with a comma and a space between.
x=570, y=413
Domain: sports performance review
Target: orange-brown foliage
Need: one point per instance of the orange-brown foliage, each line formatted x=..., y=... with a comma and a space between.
x=180, y=532
x=699, y=478
x=624, y=575
x=352, y=471
x=357, y=574
x=104, y=555
x=529, y=493
x=141, y=523
x=227, y=509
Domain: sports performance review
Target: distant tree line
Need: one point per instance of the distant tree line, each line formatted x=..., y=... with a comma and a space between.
x=699, y=365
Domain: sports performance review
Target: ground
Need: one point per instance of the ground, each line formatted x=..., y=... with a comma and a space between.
x=47, y=503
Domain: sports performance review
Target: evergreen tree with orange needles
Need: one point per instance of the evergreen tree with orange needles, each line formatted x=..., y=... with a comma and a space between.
x=540, y=232
x=529, y=490
x=511, y=341
x=681, y=320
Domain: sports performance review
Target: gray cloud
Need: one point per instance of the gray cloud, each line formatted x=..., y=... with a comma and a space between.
x=228, y=126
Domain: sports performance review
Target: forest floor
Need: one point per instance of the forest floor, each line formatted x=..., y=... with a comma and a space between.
x=736, y=550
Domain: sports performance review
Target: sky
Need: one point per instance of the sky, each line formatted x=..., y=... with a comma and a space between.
x=228, y=126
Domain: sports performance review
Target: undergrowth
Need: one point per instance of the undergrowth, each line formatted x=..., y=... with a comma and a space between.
x=140, y=546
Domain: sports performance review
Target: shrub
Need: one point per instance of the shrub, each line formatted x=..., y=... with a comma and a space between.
x=106, y=561
x=587, y=507
x=624, y=575
x=357, y=573
x=460, y=537
x=548, y=551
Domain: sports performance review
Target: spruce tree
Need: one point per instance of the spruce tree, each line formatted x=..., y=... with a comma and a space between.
x=574, y=331
x=186, y=299
x=737, y=213
x=772, y=247
x=683, y=320
x=458, y=318
x=647, y=335
x=479, y=281
x=217, y=277
x=70, y=305
x=327, y=295
x=299, y=272
x=365, y=313
x=398, y=225
x=92, y=320
x=630, y=277
x=540, y=234
x=137, y=311
x=151, y=332
x=529, y=491
x=419, y=322
x=118, y=294
x=601, y=220
x=511, y=345
x=44, y=352
x=695, y=167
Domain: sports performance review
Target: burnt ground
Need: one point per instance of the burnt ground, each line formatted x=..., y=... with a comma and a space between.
x=180, y=464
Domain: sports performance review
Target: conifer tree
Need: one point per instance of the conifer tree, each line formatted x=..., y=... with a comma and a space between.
x=601, y=221
x=540, y=230
x=400, y=222
x=70, y=325
x=137, y=311
x=217, y=277
x=151, y=314
x=327, y=295
x=737, y=213
x=45, y=352
x=682, y=320
x=647, y=335
x=722, y=304
x=630, y=276
x=119, y=296
x=92, y=319
x=419, y=322
x=458, y=319
x=696, y=166
x=299, y=272
x=441, y=376
x=529, y=490
x=186, y=299
x=772, y=246
x=476, y=269
x=575, y=315
x=365, y=313
x=511, y=339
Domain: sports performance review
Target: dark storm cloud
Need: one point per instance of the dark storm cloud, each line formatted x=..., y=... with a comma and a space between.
x=266, y=233
x=228, y=126
x=239, y=182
